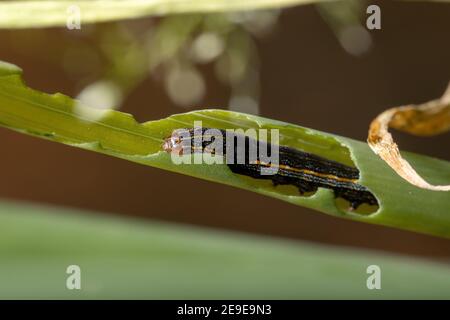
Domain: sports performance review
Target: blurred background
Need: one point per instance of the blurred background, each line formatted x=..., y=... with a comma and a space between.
x=315, y=66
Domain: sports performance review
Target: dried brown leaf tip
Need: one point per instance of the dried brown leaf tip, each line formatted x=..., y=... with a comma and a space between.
x=427, y=119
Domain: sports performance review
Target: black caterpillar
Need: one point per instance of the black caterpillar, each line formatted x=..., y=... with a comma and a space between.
x=304, y=170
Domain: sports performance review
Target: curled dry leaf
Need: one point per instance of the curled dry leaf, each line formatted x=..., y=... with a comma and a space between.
x=427, y=119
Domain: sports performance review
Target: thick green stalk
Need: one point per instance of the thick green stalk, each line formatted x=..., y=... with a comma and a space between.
x=132, y=259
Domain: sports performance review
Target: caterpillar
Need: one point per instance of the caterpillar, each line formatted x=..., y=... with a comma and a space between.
x=304, y=170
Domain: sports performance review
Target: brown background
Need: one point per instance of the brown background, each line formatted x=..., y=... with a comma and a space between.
x=307, y=79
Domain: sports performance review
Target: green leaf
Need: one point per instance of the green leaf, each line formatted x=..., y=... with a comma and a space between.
x=59, y=118
x=29, y=14
x=134, y=259
x=53, y=13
